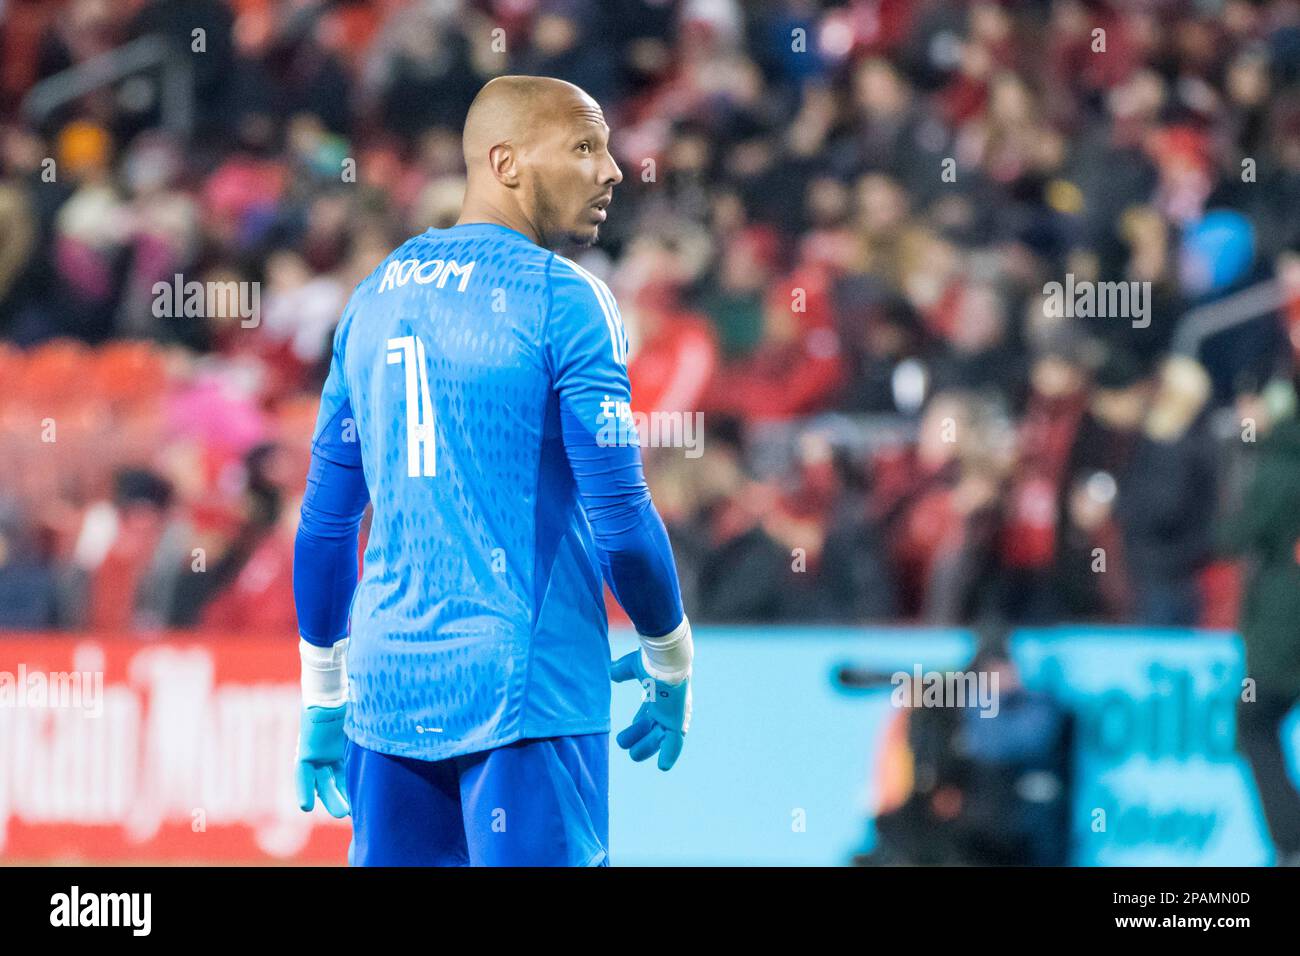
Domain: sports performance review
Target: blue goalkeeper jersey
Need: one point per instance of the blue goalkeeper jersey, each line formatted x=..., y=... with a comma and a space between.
x=479, y=618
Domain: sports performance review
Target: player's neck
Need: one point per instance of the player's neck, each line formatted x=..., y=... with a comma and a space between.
x=479, y=212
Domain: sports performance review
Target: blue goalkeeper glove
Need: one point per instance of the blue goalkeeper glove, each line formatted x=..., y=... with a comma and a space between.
x=321, y=743
x=660, y=725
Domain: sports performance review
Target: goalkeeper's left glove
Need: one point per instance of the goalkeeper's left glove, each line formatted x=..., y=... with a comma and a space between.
x=321, y=741
x=662, y=666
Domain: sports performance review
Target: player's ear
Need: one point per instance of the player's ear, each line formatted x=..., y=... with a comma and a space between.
x=505, y=164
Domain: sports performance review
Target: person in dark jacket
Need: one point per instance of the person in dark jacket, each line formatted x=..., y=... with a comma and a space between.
x=1166, y=506
x=1266, y=531
x=29, y=591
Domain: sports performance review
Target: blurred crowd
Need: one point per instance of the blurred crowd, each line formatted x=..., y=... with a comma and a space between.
x=833, y=240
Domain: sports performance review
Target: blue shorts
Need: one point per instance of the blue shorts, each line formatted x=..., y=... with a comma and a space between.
x=530, y=803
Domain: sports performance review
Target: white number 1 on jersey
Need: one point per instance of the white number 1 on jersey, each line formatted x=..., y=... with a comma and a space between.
x=409, y=350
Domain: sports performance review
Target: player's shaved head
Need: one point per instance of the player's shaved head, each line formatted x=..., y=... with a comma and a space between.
x=513, y=108
x=537, y=159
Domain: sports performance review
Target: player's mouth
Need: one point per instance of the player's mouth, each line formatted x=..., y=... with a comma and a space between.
x=599, y=206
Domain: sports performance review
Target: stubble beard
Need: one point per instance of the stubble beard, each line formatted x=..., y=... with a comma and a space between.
x=551, y=234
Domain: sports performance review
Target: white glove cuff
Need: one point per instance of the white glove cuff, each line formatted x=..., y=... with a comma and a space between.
x=668, y=658
x=324, y=673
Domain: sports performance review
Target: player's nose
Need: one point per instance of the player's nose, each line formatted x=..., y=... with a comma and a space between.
x=611, y=175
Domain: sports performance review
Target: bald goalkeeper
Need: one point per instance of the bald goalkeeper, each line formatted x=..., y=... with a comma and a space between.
x=456, y=700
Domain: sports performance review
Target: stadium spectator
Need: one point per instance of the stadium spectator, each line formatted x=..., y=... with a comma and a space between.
x=1167, y=510
x=1266, y=529
x=29, y=586
x=128, y=554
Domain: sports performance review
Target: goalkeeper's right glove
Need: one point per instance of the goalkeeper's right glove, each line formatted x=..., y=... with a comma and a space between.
x=321, y=741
